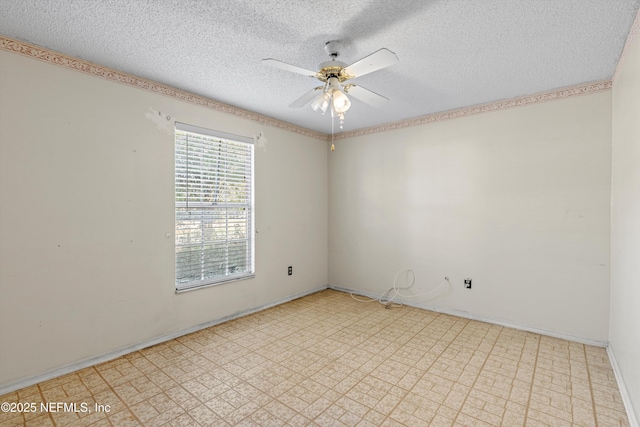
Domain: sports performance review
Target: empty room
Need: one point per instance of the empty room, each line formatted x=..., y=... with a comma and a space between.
x=366, y=213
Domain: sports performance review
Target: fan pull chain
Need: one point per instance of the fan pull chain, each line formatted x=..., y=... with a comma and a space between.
x=333, y=148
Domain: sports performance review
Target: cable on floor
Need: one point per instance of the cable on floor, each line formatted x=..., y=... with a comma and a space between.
x=387, y=301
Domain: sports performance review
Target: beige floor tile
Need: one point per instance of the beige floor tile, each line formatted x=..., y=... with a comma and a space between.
x=328, y=360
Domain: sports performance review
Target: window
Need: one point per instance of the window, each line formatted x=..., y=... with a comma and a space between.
x=214, y=207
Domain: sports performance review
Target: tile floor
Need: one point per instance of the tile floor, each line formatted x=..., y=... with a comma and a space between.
x=328, y=360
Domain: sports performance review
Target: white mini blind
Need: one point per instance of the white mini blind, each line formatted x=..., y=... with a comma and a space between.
x=214, y=207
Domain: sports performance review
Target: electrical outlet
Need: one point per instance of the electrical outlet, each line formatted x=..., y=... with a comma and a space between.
x=467, y=283
x=290, y=271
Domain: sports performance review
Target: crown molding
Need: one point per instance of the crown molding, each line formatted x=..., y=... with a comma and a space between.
x=635, y=27
x=483, y=108
x=56, y=58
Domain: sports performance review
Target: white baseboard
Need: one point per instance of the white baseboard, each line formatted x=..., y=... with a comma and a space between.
x=626, y=399
x=471, y=316
x=13, y=386
x=85, y=363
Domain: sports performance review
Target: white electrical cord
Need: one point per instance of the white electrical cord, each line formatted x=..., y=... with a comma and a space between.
x=386, y=301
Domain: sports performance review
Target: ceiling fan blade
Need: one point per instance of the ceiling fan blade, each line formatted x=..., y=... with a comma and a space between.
x=306, y=98
x=288, y=67
x=365, y=95
x=377, y=60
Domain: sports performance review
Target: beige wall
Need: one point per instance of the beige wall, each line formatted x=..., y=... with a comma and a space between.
x=624, y=335
x=518, y=200
x=86, y=189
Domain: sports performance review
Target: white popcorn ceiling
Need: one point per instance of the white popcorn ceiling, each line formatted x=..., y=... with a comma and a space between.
x=453, y=53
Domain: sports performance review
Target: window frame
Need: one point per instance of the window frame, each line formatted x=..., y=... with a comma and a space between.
x=230, y=139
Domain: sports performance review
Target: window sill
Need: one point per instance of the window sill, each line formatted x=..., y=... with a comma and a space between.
x=216, y=283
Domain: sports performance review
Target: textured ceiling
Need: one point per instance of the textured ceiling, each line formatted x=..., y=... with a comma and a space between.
x=453, y=53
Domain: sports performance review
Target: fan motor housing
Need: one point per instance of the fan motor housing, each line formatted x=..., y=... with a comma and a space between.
x=330, y=69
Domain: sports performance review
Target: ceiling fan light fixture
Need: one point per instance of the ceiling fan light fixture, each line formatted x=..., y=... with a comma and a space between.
x=321, y=103
x=340, y=102
x=333, y=74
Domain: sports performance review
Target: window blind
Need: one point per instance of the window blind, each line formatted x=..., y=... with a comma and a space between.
x=214, y=207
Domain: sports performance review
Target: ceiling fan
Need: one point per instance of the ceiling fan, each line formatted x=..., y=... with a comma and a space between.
x=332, y=95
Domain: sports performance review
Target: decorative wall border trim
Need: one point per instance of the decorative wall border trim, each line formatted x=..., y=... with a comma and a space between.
x=635, y=27
x=484, y=108
x=66, y=61
x=60, y=59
